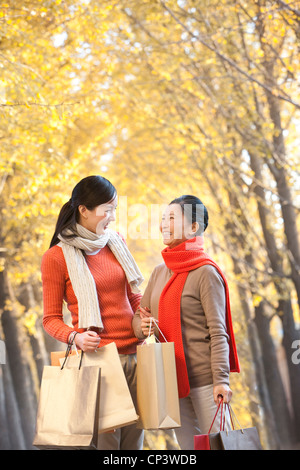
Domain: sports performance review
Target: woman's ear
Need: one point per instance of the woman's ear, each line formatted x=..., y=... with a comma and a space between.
x=82, y=211
x=194, y=229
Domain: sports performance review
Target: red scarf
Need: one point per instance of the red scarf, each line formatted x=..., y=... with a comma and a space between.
x=186, y=257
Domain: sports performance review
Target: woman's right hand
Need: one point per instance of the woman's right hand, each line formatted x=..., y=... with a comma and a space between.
x=145, y=326
x=87, y=341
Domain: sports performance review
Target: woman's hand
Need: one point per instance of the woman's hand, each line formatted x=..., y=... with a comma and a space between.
x=87, y=341
x=146, y=320
x=144, y=312
x=145, y=326
x=222, y=391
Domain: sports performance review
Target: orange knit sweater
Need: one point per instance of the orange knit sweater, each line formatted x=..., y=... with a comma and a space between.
x=117, y=302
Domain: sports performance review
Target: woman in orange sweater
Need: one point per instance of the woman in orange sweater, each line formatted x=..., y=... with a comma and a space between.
x=90, y=268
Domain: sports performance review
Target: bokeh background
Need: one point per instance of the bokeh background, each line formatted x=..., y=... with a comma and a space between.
x=163, y=98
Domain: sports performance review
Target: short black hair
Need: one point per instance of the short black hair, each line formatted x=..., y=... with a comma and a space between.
x=194, y=210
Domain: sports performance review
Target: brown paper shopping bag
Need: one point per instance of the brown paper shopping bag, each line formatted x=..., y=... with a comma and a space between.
x=68, y=408
x=116, y=405
x=157, y=391
x=55, y=356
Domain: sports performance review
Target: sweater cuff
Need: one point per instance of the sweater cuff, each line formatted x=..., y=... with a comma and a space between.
x=221, y=378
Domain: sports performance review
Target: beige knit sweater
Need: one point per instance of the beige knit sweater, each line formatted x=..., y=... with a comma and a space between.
x=203, y=307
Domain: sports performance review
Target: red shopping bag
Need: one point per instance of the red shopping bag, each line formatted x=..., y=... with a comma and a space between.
x=201, y=442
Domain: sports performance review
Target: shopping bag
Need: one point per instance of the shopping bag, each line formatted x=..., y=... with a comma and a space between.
x=228, y=439
x=55, y=356
x=240, y=439
x=201, y=442
x=210, y=441
x=68, y=408
x=116, y=405
x=157, y=391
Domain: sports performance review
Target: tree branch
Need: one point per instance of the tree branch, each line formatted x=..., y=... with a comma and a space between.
x=230, y=61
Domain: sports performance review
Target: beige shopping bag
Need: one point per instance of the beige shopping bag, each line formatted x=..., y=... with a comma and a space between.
x=68, y=408
x=55, y=356
x=116, y=405
x=157, y=391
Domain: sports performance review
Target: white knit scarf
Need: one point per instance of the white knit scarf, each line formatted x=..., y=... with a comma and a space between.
x=83, y=283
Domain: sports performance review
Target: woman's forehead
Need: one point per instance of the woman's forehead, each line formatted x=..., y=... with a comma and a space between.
x=112, y=203
x=172, y=209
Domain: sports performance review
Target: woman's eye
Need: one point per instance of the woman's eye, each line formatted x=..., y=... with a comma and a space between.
x=110, y=210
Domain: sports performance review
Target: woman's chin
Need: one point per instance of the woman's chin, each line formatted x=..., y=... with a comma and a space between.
x=101, y=230
x=167, y=241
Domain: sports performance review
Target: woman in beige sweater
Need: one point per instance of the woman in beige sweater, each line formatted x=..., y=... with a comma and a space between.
x=188, y=295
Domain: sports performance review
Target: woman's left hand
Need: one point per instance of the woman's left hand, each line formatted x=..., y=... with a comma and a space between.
x=144, y=312
x=222, y=391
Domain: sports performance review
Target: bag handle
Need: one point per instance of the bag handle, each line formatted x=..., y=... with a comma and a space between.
x=223, y=417
x=155, y=322
x=223, y=406
x=68, y=350
x=233, y=415
x=219, y=406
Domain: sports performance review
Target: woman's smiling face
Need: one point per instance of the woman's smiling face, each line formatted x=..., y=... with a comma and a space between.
x=98, y=219
x=174, y=227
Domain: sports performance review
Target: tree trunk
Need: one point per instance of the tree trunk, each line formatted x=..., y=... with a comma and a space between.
x=37, y=340
x=17, y=362
x=277, y=158
x=290, y=334
x=287, y=208
x=235, y=244
x=11, y=423
x=4, y=435
x=271, y=365
x=283, y=421
x=284, y=308
x=257, y=360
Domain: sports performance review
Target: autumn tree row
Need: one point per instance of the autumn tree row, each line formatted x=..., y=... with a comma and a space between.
x=164, y=98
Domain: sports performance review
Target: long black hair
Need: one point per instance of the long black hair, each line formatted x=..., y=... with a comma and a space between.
x=194, y=210
x=90, y=192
